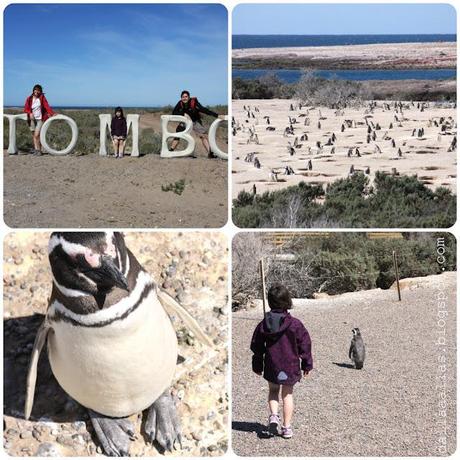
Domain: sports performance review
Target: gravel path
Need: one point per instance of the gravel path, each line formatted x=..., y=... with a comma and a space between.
x=190, y=266
x=391, y=407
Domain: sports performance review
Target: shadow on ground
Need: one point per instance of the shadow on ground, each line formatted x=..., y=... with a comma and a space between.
x=345, y=365
x=252, y=427
x=50, y=401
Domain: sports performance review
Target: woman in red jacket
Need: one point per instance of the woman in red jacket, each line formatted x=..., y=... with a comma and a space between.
x=38, y=111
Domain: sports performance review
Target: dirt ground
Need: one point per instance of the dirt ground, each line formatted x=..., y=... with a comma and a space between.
x=192, y=267
x=426, y=156
x=91, y=191
x=392, y=407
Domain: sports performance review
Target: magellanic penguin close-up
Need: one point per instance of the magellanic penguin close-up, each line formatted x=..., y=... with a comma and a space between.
x=111, y=345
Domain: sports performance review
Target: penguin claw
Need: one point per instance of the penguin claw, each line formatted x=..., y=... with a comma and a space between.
x=162, y=425
x=114, y=434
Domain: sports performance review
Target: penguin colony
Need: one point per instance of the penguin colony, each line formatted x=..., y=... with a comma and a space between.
x=111, y=344
x=321, y=145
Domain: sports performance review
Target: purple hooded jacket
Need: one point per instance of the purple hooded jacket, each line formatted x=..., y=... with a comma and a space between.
x=282, y=348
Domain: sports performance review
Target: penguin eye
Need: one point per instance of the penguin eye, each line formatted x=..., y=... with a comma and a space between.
x=88, y=259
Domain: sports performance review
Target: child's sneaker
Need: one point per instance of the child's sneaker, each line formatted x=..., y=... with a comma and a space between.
x=286, y=432
x=274, y=424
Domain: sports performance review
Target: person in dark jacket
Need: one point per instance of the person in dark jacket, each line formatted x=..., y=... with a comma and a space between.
x=38, y=111
x=191, y=108
x=282, y=352
x=119, y=131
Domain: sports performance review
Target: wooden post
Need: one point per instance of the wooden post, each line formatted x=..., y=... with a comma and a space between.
x=395, y=263
x=262, y=276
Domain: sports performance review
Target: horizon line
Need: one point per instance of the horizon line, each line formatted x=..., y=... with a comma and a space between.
x=338, y=35
x=104, y=106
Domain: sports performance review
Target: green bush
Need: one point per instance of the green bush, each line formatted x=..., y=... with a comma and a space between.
x=149, y=141
x=393, y=201
x=176, y=187
x=346, y=262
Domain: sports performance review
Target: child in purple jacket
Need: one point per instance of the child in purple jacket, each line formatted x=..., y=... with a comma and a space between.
x=282, y=349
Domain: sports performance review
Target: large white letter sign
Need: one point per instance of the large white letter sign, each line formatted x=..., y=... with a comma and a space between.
x=212, y=138
x=165, y=152
x=73, y=141
x=12, y=130
x=132, y=120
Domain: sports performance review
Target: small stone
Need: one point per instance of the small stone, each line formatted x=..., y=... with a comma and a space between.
x=47, y=449
x=26, y=434
x=78, y=438
x=171, y=270
x=54, y=432
x=166, y=284
x=36, y=434
x=79, y=425
x=99, y=449
x=65, y=440
x=197, y=436
x=212, y=448
x=12, y=432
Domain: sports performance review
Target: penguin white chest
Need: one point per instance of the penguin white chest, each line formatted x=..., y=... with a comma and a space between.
x=116, y=367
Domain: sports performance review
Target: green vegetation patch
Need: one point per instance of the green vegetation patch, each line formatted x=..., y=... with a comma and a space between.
x=176, y=187
x=392, y=202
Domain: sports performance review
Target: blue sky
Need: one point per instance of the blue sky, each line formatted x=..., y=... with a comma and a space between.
x=109, y=54
x=338, y=19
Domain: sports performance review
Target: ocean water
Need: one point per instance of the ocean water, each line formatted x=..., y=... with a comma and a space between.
x=278, y=41
x=291, y=76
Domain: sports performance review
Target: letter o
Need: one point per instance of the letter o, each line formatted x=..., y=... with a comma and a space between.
x=73, y=141
x=212, y=138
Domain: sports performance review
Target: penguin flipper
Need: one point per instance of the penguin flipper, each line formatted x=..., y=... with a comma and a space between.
x=171, y=307
x=40, y=340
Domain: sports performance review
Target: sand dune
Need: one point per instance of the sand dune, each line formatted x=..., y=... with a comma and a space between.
x=427, y=155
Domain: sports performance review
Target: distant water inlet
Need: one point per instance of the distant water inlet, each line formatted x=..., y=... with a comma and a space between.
x=279, y=41
x=294, y=75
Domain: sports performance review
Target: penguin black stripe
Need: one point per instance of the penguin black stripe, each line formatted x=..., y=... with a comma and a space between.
x=88, y=303
x=59, y=316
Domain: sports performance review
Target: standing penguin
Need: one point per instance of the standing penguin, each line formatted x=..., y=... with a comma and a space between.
x=357, y=352
x=111, y=344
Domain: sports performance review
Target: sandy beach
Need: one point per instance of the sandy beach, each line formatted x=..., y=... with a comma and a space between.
x=376, y=56
x=395, y=147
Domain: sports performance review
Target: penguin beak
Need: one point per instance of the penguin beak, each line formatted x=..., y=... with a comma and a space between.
x=112, y=274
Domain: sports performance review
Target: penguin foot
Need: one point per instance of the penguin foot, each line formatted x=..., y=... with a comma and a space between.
x=162, y=424
x=114, y=434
